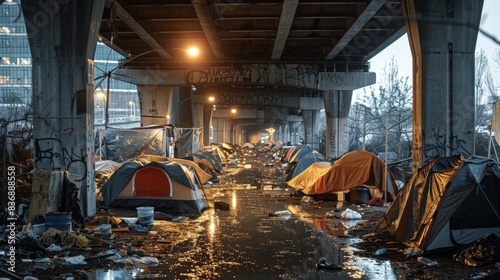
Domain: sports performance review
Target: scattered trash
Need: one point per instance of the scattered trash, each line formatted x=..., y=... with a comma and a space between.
x=54, y=248
x=248, y=166
x=129, y=221
x=375, y=201
x=285, y=214
x=349, y=214
x=104, y=229
x=480, y=275
x=380, y=251
x=221, y=205
x=81, y=241
x=75, y=260
x=306, y=199
x=139, y=228
x=323, y=264
x=426, y=261
x=409, y=252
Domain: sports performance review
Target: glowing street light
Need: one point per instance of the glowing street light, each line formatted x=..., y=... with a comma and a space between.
x=233, y=111
x=193, y=52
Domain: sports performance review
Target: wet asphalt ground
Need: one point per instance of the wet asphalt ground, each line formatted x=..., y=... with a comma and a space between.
x=251, y=240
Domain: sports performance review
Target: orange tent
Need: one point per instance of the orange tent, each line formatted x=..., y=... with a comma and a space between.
x=353, y=169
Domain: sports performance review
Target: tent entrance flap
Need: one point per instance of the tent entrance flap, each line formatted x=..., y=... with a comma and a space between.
x=152, y=181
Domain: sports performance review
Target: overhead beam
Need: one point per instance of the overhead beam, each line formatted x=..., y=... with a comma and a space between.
x=358, y=25
x=137, y=28
x=203, y=12
x=286, y=19
x=386, y=43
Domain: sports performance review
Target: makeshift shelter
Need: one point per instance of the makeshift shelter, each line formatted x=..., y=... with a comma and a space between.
x=304, y=163
x=309, y=175
x=123, y=144
x=205, y=164
x=354, y=169
x=203, y=176
x=299, y=152
x=215, y=160
x=450, y=201
x=168, y=186
x=187, y=141
x=248, y=145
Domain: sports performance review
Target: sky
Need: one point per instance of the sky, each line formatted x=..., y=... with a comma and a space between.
x=490, y=23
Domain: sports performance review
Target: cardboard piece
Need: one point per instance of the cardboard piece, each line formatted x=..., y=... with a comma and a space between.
x=45, y=192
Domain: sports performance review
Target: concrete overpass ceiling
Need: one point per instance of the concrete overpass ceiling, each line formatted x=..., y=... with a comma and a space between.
x=247, y=31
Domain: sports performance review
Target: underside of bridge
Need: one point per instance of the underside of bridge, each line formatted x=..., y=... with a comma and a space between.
x=259, y=56
x=279, y=62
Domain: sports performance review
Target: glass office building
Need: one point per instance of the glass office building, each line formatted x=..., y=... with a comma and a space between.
x=15, y=75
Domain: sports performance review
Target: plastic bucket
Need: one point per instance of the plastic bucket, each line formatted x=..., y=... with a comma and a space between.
x=146, y=215
x=58, y=220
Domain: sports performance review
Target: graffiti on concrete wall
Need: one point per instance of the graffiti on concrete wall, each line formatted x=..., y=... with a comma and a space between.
x=437, y=144
x=51, y=155
x=304, y=75
x=251, y=99
x=219, y=75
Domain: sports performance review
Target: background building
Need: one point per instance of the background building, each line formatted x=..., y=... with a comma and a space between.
x=15, y=76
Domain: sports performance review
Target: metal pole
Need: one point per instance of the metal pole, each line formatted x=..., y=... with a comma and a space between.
x=106, y=106
x=385, y=157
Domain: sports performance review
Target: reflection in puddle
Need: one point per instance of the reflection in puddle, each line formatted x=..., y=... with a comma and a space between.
x=246, y=242
x=123, y=274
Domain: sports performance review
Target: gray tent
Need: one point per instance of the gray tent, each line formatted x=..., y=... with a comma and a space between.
x=449, y=202
x=168, y=186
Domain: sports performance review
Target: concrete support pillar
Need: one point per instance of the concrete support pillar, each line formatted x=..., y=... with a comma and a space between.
x=182, y=108
x=207, y=123
x=311, y=128
x=296, y=132
x=286, y=136
x=62, y=40
x=442, y=37
x=337, y=103
x=155, y=104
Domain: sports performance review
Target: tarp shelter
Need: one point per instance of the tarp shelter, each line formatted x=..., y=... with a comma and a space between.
x=450, y=201
x=168, y=186
x=187, y=141
x=106, y=166
x=122, y=144
x=355, y=168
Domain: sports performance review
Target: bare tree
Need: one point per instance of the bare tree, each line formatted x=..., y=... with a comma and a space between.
x=391, y=103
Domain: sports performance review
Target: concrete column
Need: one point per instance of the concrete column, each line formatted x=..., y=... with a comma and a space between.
x=207, y=123
x=182, y=108
x=62, y=37
x=442, y=38
x=337, y=103
x=155, y=104
x=311, y=128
